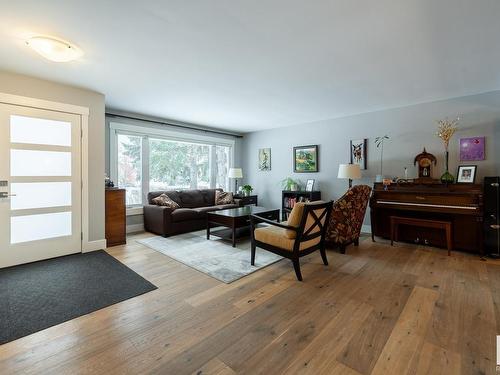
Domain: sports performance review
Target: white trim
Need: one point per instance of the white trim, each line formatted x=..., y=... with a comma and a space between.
x=93, y=246
x=135, y=228
x=131, y=211
x=84, y=153
x=43, y=104
x=366, y=228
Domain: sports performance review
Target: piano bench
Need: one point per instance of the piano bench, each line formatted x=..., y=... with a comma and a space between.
x=397, y=220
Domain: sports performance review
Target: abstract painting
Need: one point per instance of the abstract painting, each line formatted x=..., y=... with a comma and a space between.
x=358, y=152
x=472, y=149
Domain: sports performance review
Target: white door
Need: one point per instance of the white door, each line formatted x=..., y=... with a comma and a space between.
x=40, y=184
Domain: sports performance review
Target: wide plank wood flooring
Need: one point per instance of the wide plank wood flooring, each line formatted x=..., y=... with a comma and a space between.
x=375, y=310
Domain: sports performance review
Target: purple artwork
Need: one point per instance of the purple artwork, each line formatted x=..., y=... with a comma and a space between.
x=472, y=149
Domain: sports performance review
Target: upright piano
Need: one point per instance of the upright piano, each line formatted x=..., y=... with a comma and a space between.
x=460, y=204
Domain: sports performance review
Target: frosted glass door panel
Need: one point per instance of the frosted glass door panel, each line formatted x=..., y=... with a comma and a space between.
x=39, y=131
x=40, y=163
x=39, y=227
x=40, y=195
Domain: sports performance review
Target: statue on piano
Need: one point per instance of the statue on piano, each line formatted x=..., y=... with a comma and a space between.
x=424, y=161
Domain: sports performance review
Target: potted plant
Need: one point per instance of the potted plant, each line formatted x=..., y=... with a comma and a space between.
x=247, y=190
x=290, y=184
x=379, y=142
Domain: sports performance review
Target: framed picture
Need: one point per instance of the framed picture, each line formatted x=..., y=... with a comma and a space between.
x=358, y=152
x=466, y=174
x=305, y=159
x=264, y=159
x=472, y=149
x=310, y=185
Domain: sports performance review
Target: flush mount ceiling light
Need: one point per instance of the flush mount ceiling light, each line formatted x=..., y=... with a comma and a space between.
x=54, y=49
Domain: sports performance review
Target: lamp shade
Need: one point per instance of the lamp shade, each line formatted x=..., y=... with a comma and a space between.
x=235, y=173
x=350, y=171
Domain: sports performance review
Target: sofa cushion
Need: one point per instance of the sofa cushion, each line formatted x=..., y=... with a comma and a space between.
x=165, y=200
x=174, y=195
x=202, y=210
x=197, y=198
x=184, y=214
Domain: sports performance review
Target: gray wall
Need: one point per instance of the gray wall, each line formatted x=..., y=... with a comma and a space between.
x=410, y=129
x=17, y=84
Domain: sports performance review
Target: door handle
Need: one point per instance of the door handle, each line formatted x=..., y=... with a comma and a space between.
x=4, y=194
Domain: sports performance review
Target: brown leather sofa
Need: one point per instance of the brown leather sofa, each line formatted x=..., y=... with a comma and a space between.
x=191, y=216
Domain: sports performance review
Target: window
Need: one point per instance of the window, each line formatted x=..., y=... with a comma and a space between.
x=148, y=159
x=130, y=167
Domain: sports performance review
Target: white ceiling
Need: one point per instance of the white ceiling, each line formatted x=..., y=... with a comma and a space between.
x=250, y=65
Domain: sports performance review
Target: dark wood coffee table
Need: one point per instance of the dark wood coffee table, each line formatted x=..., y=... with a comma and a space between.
x=237, y=220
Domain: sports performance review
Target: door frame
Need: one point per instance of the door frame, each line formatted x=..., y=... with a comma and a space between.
x=83, y=112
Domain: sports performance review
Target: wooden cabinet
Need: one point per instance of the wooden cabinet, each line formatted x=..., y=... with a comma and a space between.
x=246, y=200
x=115, y=217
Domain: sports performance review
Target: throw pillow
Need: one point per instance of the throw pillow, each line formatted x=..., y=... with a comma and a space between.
x=165, y=200
x=223, y=197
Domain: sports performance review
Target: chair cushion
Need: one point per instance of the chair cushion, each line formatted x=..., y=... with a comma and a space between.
x=183, y=214
x=294, y=219
x=277, y=237
x=165, y=200
x=223, y=197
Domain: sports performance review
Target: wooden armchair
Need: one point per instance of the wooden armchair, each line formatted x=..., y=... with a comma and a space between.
x=303, y=234
x=347, y=216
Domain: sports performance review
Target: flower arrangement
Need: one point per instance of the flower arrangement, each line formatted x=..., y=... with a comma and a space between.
x=446, y=129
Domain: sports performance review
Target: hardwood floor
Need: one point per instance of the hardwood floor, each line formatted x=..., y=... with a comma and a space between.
x=376, y=310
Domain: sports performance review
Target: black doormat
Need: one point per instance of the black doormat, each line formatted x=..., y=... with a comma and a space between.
x=39, y=295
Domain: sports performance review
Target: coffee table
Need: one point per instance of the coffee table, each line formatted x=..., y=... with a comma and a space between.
x=237, y=220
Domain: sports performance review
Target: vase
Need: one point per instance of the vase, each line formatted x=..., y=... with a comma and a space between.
x=447, y=177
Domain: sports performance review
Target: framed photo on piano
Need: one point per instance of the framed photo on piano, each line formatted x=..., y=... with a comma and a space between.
x=466, y=174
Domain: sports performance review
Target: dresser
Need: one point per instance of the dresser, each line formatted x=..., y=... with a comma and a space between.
x=115, y=217
x=459, y=204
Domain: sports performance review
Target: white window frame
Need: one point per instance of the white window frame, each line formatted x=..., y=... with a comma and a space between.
x=116, y=128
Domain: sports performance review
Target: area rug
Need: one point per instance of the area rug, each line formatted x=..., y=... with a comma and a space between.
x=39, y=295
x=215, y=257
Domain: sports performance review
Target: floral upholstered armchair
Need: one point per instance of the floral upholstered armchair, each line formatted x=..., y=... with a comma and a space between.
x=347, y=217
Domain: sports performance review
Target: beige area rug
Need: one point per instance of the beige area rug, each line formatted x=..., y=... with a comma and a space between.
x=214, y=257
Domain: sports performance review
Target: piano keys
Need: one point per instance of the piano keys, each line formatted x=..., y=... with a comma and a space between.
x=460, y=204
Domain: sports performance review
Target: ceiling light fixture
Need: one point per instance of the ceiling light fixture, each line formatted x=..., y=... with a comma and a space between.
x=53, y=49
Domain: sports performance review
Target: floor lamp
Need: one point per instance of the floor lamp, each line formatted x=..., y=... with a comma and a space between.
x=349, y=171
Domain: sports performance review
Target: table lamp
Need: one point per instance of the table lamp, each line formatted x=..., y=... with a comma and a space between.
x=349, y=171
x=235, y=173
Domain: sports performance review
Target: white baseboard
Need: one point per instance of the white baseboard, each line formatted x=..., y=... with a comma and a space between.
x=93, y=246
x=134, y=228
x=366, y=228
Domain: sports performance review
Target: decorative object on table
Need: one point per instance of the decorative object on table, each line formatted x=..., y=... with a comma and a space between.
x=247, y=190
x=424, y=162
x=379, y=142
x=264, y=159
x=235, y=173
x=358, y=152
x=472, y=149
x=305, y=159
x=310, y=185
x=107, y=182
x=349, y=171
x=446, y=129
x=290, y=184
x=466, y=174
x=347, y=217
